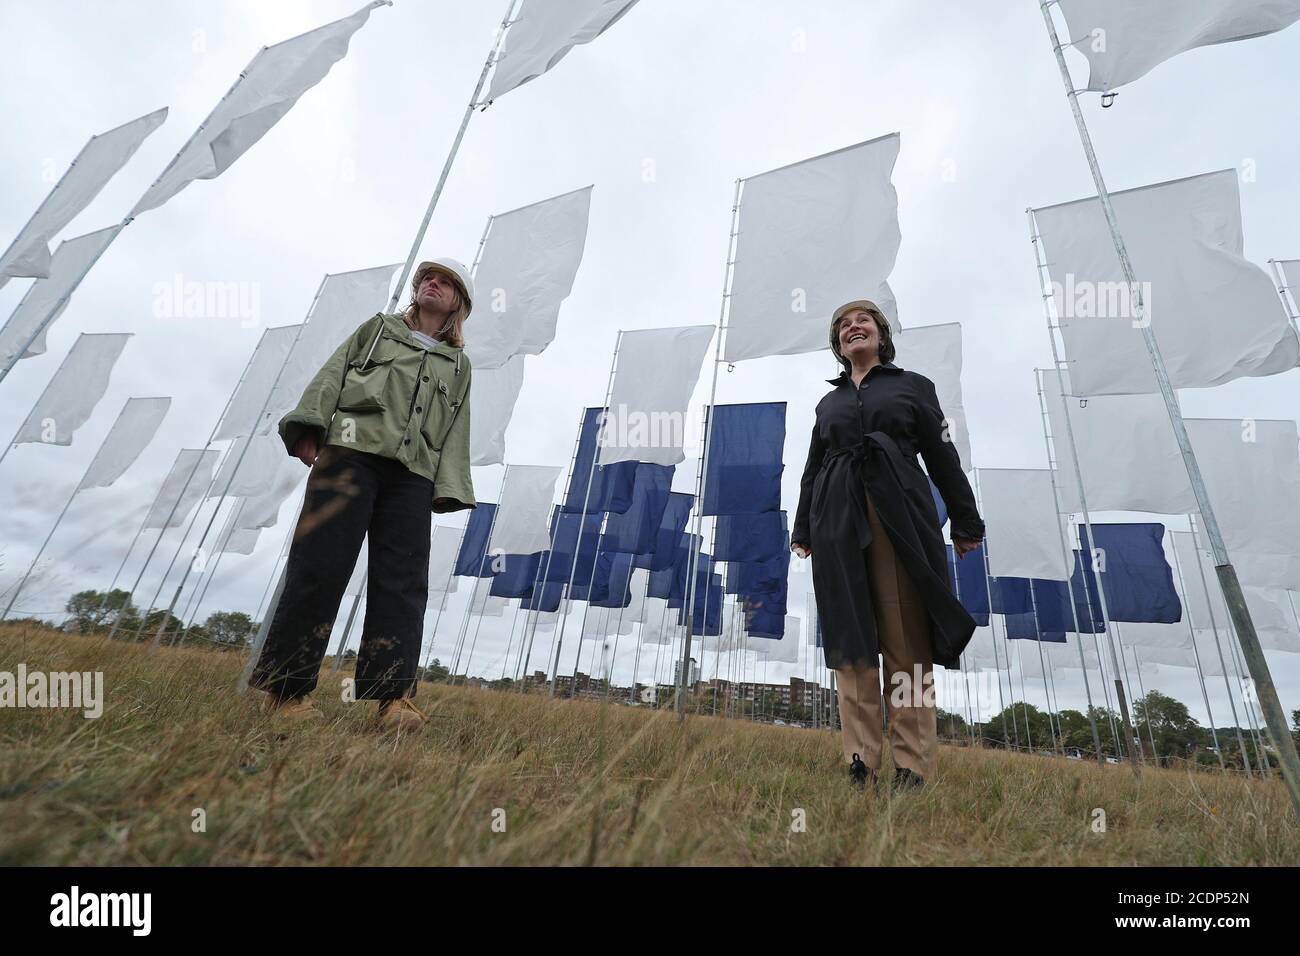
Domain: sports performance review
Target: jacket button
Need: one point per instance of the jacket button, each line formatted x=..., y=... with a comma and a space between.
x=406, y=441
x=419, y=408
x=425, y=379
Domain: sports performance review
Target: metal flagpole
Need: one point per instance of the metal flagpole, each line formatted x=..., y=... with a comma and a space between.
x=446, y=590
x=451, y=156
x=537, y=610
x=478, y=579
x=1042, y=663
x=1191, y=633
x=1286, y=294
x=1214, y=626
x=1252, y=650
x=1146, y=704
x=582, y=520
x=1121, y=697
x=702, y=471
x=640, y=635
x=1065, y=558
x=191, y=609
x=131, y=547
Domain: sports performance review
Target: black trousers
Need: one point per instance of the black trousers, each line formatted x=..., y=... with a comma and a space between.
x=349, y=494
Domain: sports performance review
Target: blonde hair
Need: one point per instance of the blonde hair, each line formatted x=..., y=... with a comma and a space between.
x=453, y=332
x=885, y=351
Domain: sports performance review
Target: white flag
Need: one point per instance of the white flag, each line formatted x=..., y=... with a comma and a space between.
x=1124, y=39
x=813, y=236
x=525, y=505
x=97, y=163
x=268, y=89
x=251, y=466
x=345, y=301
x=485, y=603
x=543, y=31
x=935, y=352
x=135, y=427
x=527, y=269
x=601, y=622
x=1025, y=531
x=982, y=652
x=47, y=298
x=356, y=583
x=263, y=510
x=74, y=391
x=1184, y=239
x=246, y=409
x=444, y=545
x=493, y=394
x=234, y=539
x=657, y=372
x=181, y=489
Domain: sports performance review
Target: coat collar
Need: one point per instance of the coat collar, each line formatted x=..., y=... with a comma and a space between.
x=398, y=326
x=844, y=379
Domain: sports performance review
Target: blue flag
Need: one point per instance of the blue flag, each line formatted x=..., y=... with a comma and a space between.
x=470, y=560
x=744, y=466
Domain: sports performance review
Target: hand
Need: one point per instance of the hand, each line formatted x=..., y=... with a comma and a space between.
x=306, y=450
x=801, y=551
x=963, y=546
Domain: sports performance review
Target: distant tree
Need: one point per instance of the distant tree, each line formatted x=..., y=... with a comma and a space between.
x=230, y=627
x=91, y=610
x=1176, y=732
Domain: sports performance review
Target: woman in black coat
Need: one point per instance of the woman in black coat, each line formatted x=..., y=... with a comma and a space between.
x=880, y=568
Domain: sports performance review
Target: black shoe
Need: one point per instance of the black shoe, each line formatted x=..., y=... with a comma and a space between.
x=905, y=779
x=860, y=773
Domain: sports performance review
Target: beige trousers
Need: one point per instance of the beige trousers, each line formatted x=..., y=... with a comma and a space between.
x=903, y=634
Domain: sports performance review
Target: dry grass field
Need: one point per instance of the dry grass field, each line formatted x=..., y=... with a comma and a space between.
x=511, y=779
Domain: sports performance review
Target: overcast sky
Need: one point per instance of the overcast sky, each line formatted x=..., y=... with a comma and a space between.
x=662, y=114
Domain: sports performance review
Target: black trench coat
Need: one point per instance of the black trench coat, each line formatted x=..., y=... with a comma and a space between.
x=865, y=442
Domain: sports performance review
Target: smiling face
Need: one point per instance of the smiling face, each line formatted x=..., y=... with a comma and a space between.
x=437, y=293
x=858, y=336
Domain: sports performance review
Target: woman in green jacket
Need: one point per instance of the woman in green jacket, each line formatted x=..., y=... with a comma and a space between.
x=384, y=427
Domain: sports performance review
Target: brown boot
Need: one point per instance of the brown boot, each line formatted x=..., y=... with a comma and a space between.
x=291, y=708
x=400, y=713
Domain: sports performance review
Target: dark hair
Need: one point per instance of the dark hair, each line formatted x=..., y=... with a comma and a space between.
x=886, y=350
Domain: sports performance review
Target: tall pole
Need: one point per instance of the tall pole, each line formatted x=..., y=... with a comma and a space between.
x=451, y=156
x=1122, y=698
x=1191, y=633
x=702, y=472
x=1065, y=558
x=1252, y=650
x=582, y=520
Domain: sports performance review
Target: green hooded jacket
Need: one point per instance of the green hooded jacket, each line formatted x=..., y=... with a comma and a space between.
x=383, y=393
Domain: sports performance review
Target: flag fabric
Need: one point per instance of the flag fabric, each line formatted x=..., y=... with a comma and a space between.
x=47, y=298
x=135, y=427
x=526, y=271
x=635, y=531
x=521, y=525
x=1129, y=560
x=612, y=485
x=251, y=400
x=659, y=627
x=269, y=87
x=344, y=301
x=656, y=374
x=570, y=534
x=669, y=533
x=749, y=537
x=471, y=556
x=74, y=390
x=1124, y=40
x=98, y=162
x=1024, y=528
x=1184, y=240
x=778, y=650
x=190, y=474
x=494, y=393
x=812, y=236
x=543, y=32
x=234, y=539
x=262, y=509
x=935, y=352
x=514, y=575
x=970, y=583
x=743, y=465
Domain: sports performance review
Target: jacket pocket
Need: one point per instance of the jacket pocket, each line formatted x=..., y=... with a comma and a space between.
x=437, y=426
x=364, y=385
